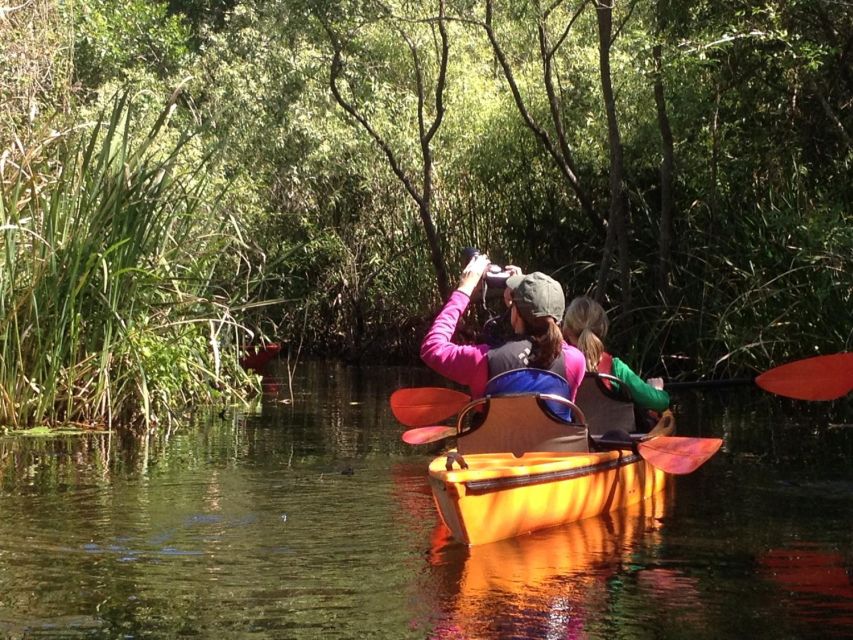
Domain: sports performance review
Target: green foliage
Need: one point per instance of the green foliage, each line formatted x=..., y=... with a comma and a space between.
x=112, y=39
x=202, y=15
x=105, y=307
x=327, y=246
x=797, y=280
x=34, y=72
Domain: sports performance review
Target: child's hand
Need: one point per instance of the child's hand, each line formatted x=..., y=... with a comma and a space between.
x=656, y=383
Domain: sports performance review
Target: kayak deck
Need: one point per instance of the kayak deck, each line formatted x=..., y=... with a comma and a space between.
x=500, y=495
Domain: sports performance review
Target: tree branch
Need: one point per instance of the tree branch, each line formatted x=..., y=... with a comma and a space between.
x=569, y=26
x=419, y=82
x=8, y=11
x=624, y=22
x=335, y=73
x=563, y=164
x=424, y=197
x=827, y=109
x=441, y=82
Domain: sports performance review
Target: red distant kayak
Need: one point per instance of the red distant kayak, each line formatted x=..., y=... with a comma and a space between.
x=258, y=356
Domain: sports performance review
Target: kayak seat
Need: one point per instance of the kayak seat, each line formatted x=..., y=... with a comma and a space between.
x=532, y=380
x=518, y=424
x=606, y=403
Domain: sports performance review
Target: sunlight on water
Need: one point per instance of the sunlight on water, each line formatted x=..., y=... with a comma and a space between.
x=312, y=519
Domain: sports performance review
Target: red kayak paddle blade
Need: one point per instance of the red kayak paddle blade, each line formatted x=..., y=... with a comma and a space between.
x=425, y=435
x=679, y=455
x=257, y=357
x=819, y=378
x=423, y=406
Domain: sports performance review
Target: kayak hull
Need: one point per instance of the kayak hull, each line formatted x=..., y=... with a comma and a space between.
x=500, y=495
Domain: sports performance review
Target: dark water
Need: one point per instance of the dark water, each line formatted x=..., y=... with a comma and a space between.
x=313, y=520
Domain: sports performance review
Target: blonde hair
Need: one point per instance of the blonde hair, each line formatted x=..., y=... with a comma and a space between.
x=586, y=321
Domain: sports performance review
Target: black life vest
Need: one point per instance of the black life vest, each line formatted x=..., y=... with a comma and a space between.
x=515, y=354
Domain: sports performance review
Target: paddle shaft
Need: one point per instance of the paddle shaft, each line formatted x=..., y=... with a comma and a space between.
x=708, y=384
x=827, y=377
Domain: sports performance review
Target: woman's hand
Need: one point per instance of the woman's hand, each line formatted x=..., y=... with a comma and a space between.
x=473, y=274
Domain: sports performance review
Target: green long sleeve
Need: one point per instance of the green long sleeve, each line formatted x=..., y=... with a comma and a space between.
x=643, y=393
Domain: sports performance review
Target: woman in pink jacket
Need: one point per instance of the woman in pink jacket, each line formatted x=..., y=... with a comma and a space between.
x=537, y=304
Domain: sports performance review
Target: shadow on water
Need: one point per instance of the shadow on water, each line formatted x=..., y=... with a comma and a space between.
x=312, y=519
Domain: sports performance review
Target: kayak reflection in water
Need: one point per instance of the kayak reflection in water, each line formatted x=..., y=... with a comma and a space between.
x=559, y=583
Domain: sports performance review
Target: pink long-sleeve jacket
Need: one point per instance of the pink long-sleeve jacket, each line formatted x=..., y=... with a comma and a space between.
x=468, y=364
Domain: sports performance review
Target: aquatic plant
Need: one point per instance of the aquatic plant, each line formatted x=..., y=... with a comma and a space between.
x=109, y=248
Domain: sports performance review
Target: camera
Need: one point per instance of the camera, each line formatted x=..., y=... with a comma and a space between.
x=494, y=276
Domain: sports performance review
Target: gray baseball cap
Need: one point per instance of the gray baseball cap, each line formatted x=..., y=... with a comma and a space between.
x=537, y=295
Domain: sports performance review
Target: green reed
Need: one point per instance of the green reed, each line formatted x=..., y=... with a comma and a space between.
x=108, y=245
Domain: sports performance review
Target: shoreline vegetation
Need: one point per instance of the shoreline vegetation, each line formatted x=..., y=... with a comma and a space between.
x=182, y=179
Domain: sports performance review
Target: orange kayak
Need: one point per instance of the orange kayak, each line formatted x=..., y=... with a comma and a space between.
x=500, y=495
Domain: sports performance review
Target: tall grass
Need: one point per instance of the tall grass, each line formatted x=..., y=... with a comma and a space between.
x=107, y=254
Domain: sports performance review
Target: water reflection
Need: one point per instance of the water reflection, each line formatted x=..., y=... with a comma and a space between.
x=549, y=583
x=815, y=584
x=311, y=519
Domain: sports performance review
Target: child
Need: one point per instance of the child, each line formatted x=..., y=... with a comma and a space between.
x=585, y=326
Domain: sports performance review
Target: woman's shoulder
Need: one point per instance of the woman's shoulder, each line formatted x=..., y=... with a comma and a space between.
x=574, y=357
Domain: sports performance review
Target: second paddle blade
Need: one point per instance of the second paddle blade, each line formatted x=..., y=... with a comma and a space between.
x=679, y=455
x=421, y=406
x=425, y=435
x=818, y=378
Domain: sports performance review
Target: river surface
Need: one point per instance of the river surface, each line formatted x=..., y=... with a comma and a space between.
x=311, y=519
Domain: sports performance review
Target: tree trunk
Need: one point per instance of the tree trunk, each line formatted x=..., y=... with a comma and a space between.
x=561, y=151
x=618, y=189
x=426, y=133
x=436, y=254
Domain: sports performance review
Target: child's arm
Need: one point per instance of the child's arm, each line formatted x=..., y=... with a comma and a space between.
x=644, y=394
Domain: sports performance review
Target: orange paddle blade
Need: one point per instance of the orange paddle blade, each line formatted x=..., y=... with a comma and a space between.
x=819, y=378
x=423, y=406
x=424, y=435
x=679, y=455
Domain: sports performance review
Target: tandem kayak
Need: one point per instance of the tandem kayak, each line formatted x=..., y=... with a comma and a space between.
x=518, y=469
x=500, y=495
x=533, y=460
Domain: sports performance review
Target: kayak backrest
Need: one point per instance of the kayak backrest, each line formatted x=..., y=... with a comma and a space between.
x=532, y=380
x=607, y=408
x=522, y=423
